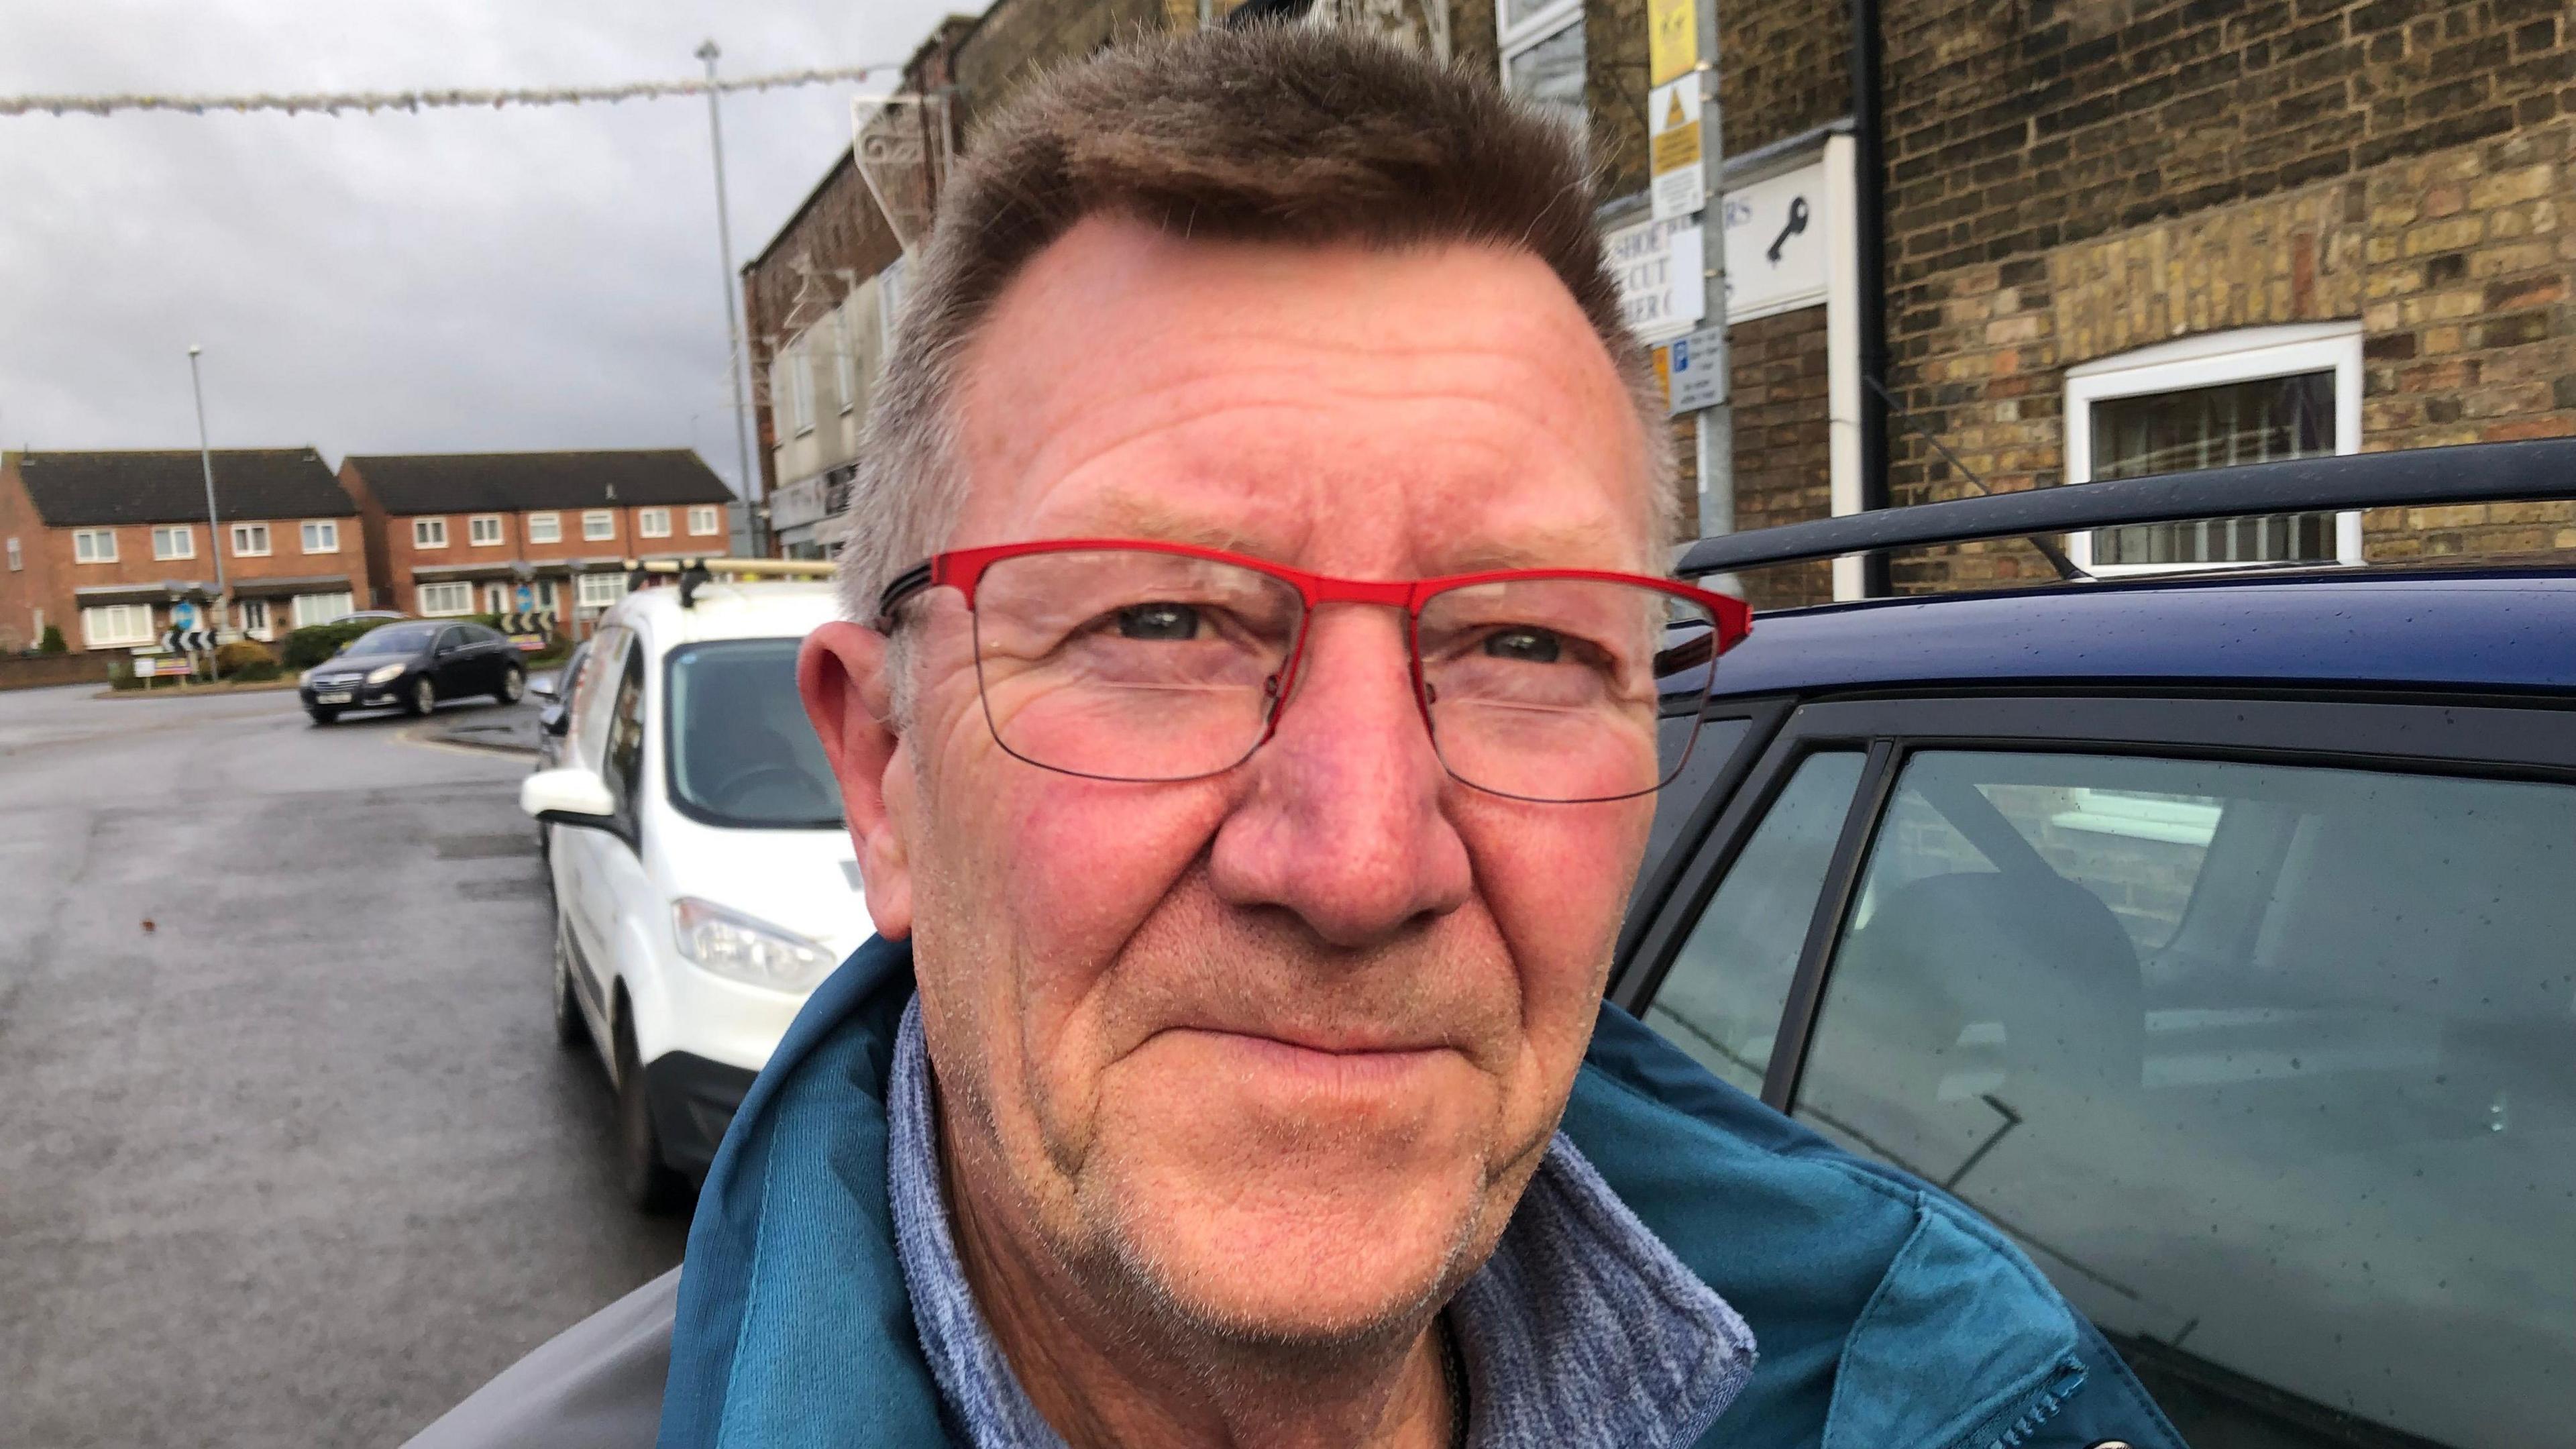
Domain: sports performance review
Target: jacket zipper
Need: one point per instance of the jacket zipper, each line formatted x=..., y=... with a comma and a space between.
x=2015, y=1426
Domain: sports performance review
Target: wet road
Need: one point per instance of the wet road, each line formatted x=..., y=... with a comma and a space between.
x=298, y=1161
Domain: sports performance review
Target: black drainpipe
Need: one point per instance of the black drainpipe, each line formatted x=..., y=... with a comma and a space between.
x=1869, y=204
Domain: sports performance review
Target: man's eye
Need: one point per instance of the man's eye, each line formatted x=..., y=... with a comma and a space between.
x=1528, y=646
x=1158, y=621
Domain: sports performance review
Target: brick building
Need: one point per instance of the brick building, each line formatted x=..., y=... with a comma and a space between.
x=105, y=545
x=2099, y=238
x=473, y=533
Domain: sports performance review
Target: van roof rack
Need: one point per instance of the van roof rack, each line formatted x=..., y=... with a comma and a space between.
x=2524, y=472
x=694, y=573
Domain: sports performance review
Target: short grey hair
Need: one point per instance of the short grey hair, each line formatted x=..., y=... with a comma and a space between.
x=1269, y=133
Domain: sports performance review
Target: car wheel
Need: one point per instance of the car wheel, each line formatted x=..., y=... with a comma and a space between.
x=321, y=714
x=570, y=1028
x=647, y=1180
x=423, y=697
x=514, y=683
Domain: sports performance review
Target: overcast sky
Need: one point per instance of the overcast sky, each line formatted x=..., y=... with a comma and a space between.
x=447, y=281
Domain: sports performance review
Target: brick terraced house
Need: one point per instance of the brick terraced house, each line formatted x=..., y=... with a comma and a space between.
x=104, y=544
x=475, y=533
x=2070, y=239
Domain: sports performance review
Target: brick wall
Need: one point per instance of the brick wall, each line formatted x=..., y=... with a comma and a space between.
x=1776, y=366
x=404, y=557
x=2102, y=175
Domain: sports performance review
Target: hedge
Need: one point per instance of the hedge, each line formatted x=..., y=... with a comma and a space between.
x=314, y=643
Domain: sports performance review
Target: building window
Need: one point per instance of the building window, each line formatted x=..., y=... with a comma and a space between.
x=2258, y=395
x=250, y=540
x=429, y=533
x=702, y=520
x=598, y=591
x=113, y=626
x=1542, y=48
x=845, y=359
x=545, y=596
x=174, y=540
x=496, y=598
x=441, y=600
x=254, y=618
x=93, y=545
x=792, y=385
x=17, y=560
x=653, y=522
x=322, y=535
x=545, y=528
x=321, y=608
x=598, y=524
x=483, y=529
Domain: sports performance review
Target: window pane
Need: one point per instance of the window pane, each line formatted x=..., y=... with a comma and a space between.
x=1551, y=72
x=2217, y=427
x=2271, y=1068
x=742, y=752
x=1721, y=1002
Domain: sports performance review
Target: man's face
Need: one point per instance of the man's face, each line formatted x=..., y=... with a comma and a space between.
x=1277, y=1049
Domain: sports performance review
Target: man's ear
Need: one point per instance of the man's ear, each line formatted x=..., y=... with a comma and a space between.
x=841, y=671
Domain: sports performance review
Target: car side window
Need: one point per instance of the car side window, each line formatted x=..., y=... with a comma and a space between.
x=1721, y=1001
x=594, y=696
x=2264, y=1064
x=625, y=755
x=453, y=637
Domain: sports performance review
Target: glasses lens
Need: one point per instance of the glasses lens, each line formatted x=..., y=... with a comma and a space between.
x=1131, y=665
x=1545, y=688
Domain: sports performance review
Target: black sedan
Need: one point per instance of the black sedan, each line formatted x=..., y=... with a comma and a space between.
x=414, y=664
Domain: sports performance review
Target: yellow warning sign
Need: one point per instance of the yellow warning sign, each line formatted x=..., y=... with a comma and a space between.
x=1674, y=115
x=1672, y=38
x=1677, y=148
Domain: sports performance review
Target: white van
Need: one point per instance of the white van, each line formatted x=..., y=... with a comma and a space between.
x=704, y=881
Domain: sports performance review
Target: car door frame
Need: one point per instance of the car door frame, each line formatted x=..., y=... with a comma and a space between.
x=2487, y=737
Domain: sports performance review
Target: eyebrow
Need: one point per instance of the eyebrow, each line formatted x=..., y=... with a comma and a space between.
x=1128, y=515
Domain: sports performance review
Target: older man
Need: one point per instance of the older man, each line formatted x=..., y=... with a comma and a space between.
x=1247, y=721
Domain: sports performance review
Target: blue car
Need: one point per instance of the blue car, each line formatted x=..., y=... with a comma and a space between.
x=2213, y=936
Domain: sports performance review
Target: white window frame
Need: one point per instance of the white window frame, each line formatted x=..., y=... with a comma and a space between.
x=551, y=525
x=496, y=599
x=255, y=619
x=2248, y=354
x=599, y=525
x=93, y=615
x=476, y=526
x=259, y=530
x=101, y=543
x=321, y=535
x=707, y=514
x=1511, y=40
x=17, y=556
x=797, y=368
x=310, y=609
x=460, y=592
x=163, y=533
x=652, y=523
x=429, y=533
x=845, y=360
x=598, y=591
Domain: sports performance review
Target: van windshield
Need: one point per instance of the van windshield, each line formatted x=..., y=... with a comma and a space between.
x=742, y=753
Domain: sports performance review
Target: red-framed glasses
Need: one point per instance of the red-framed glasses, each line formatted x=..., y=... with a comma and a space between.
x=1148, y=662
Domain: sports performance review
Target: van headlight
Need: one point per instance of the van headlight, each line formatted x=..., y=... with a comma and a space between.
x=734, y=945
x=386, y=674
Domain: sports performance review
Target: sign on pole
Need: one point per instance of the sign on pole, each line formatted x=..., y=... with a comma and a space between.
x=1672, y=39
x=1658, y=266
x=1673, y=145
x=1696, y=377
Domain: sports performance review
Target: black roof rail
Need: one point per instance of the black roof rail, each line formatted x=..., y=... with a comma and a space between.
x=2523, y=472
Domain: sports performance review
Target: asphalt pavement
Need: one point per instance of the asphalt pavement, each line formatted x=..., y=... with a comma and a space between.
x=288, y=1153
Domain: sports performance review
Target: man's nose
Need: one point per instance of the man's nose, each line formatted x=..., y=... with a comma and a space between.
x=1342, y=823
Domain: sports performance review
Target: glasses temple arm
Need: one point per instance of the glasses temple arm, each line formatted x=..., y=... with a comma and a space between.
x=906, y=584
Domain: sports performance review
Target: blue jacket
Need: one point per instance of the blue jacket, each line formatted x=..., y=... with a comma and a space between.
x=1888, y=1316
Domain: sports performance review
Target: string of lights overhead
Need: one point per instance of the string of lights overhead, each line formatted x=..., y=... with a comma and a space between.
x=336, y=103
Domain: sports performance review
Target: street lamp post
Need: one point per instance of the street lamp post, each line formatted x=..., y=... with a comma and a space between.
x=736, y=358
x=206, y=459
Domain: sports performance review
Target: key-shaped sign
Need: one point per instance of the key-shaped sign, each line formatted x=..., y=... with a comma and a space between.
x=1797, y=224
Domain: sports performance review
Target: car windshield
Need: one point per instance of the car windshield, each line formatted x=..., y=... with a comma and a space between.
x=394, y=639
x=742, y=753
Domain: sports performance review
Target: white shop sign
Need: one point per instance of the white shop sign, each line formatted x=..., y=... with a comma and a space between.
x=1775, y=244
x=1660, y=271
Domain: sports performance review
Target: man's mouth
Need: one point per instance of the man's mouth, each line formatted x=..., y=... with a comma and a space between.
x=1343, y=1060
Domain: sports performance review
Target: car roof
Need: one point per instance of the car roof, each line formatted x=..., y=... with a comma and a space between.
x=726, y=611
x=2506, y=631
